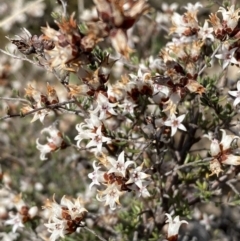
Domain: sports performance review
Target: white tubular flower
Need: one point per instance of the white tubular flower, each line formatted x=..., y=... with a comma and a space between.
x=119, y=41
x=54, y=208
x=224, y=145
x=85, y=130
x=173, y=227
x=230, y=16
x=227, y=140
x=116, y=91
x=221, y=153
x=40, y=115
x=175, y=123
x=65, y=217
x=206, y=32
x=228, y=57
x=137, y=177
x=57, y=228
x=172, y=103
x=160, y=92
x=15, y=221
x=214, y=147
x=142, y=191
x=44, y=150
x=82, y=133
x=119, y=166
x=236, y=94
x=55, y=141
x=104, y=107
x=92, y=122
x=75, y=208
x=143, y=81
x=186, y=24
x=96, y=175
x=231, y=160
x=127, y=107
x=55, y=136
x=110, y=196
x=98, y=139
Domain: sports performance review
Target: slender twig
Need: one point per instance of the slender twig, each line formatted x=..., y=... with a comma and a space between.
x=213, y=54
x=20, y=58
x=229, y=183
x=195, y=163
x=96, y=235
x=86, y=114
x=14, y=99
x=134, y=140
x=53, y=71
x=37, y=109
x=76, y=112
x=142, y=150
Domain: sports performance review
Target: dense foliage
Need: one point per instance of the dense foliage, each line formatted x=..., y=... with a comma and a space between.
x=117, y=119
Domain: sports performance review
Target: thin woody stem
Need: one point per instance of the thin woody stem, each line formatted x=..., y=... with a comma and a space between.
x=53, y=106
x=213, y=54
x=14, y=99
x=229, y=183
x=20, y=58
x=195, y=163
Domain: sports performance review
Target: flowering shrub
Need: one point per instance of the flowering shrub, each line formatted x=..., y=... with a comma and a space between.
x=140, y=110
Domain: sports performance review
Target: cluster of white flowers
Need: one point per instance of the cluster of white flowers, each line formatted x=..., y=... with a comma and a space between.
x=13, y=210
x=23, y=214
x=118, y=178
x=64, y=218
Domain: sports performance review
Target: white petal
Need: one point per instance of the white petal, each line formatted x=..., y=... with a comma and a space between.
x=181, y=117
x=232, y=160
x=233, y=93
x=182, y=127
x=238, y=85
x=236, y=101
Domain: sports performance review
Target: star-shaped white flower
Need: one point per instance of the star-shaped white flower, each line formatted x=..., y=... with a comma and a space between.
x=98, y=139
x=120, y=165
x=228, y=57
x=206, y=32
x=104, y=107
x=15, y=221
x=137, y=177
x=74, y=208
x=175, y=123
x=236, y=94
x=110, y=195
x=96, y=175
x=230, y=16
x=57, y=228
